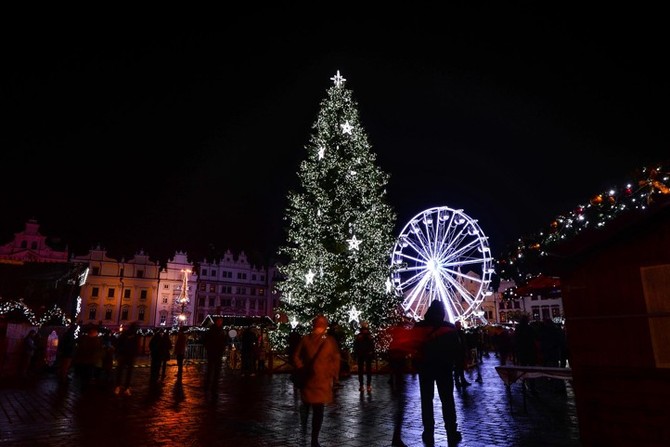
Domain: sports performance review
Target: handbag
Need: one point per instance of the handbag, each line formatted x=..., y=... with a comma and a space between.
x=301, y=375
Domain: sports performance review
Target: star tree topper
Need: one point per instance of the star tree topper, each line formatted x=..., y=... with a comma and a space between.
x=338, y=79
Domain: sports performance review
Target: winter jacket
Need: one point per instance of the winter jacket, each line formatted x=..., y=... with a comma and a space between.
x=326, y=367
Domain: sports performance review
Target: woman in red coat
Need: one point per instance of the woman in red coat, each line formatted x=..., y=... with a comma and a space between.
x=318, y=351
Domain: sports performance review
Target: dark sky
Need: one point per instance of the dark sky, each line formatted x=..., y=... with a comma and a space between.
x=177, y=139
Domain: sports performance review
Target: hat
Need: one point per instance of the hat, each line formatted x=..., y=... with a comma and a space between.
x=320, y=321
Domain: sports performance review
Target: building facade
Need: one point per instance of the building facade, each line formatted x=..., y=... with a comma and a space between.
x=117, y=293
x=232, y=286
x=30, y=245
x=176, y=292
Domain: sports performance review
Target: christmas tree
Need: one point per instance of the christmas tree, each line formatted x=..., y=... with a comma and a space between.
x=339, y=226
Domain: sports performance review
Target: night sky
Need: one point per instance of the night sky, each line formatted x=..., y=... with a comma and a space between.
x=178, y=139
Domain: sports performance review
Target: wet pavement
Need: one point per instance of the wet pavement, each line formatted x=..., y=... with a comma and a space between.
x=264, y=410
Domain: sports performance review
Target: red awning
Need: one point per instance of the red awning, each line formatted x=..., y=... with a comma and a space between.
x=540, y=285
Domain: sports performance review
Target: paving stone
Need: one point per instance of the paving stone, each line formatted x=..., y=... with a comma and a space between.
x=264, y=411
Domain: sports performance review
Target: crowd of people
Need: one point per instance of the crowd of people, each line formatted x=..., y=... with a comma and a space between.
x=437, y=350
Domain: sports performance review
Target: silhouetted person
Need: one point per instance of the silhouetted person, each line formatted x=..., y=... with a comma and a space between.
x=88, y=357
x=126, y=354
x=155, y=351
x=525, y=348
x=435, y=366
x=166, y=351
x=248, y=347
x=180, y=351
x=66, y=348
x=461, y=357
x=215, y=345
x=396, y=358
x=364, y=351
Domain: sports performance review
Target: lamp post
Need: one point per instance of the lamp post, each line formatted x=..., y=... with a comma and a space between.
x=120, y=302
x=183, y=296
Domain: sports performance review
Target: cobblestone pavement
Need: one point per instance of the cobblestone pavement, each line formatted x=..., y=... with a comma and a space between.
x=264, y=411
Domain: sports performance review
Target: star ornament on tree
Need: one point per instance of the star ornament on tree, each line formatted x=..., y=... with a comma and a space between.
x=353, y=243
x=346, y=127
x=354, y=314
x=338, y=79
x=322, y=151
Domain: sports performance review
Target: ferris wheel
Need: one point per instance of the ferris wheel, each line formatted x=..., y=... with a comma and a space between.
x=442, y=254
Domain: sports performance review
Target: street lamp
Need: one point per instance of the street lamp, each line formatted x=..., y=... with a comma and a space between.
x=183, y=296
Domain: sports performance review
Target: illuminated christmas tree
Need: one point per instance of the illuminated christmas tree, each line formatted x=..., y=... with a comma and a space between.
x=339, y=226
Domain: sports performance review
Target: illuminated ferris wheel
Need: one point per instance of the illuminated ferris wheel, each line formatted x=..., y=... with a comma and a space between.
x=442, y=254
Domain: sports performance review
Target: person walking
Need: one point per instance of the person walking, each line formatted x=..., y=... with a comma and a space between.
x=435, y=365
x=215, y=345
x=364, y=351
x=180, y=351
x=126, y=354
x=319, y=352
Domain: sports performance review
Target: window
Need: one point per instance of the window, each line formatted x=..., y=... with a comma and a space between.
x=24, y=244
x=95, y=292
x=262, y=277
x=33, y=245
x=203, y=272
x=126, y=293
x=140, y=314
x=212, y=302
x=140, y=273
x=124, y=313
x=121, y=272
x=143, y=294
x=241, y=275
x=252, y=291
x=212, y=273
x=166, y=286
x=261, y=291
x=108, y=314
x=165, y=299
x=203, y=286
x=212, y=288
x=227, y=289
x=201, y=301
x=91, y=313
x=110, y=292
x=253, y=277
x=95, y=271
x=225, y=303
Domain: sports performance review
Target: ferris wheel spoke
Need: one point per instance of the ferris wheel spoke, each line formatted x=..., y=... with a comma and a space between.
x=412, y=280
x=460, y=250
